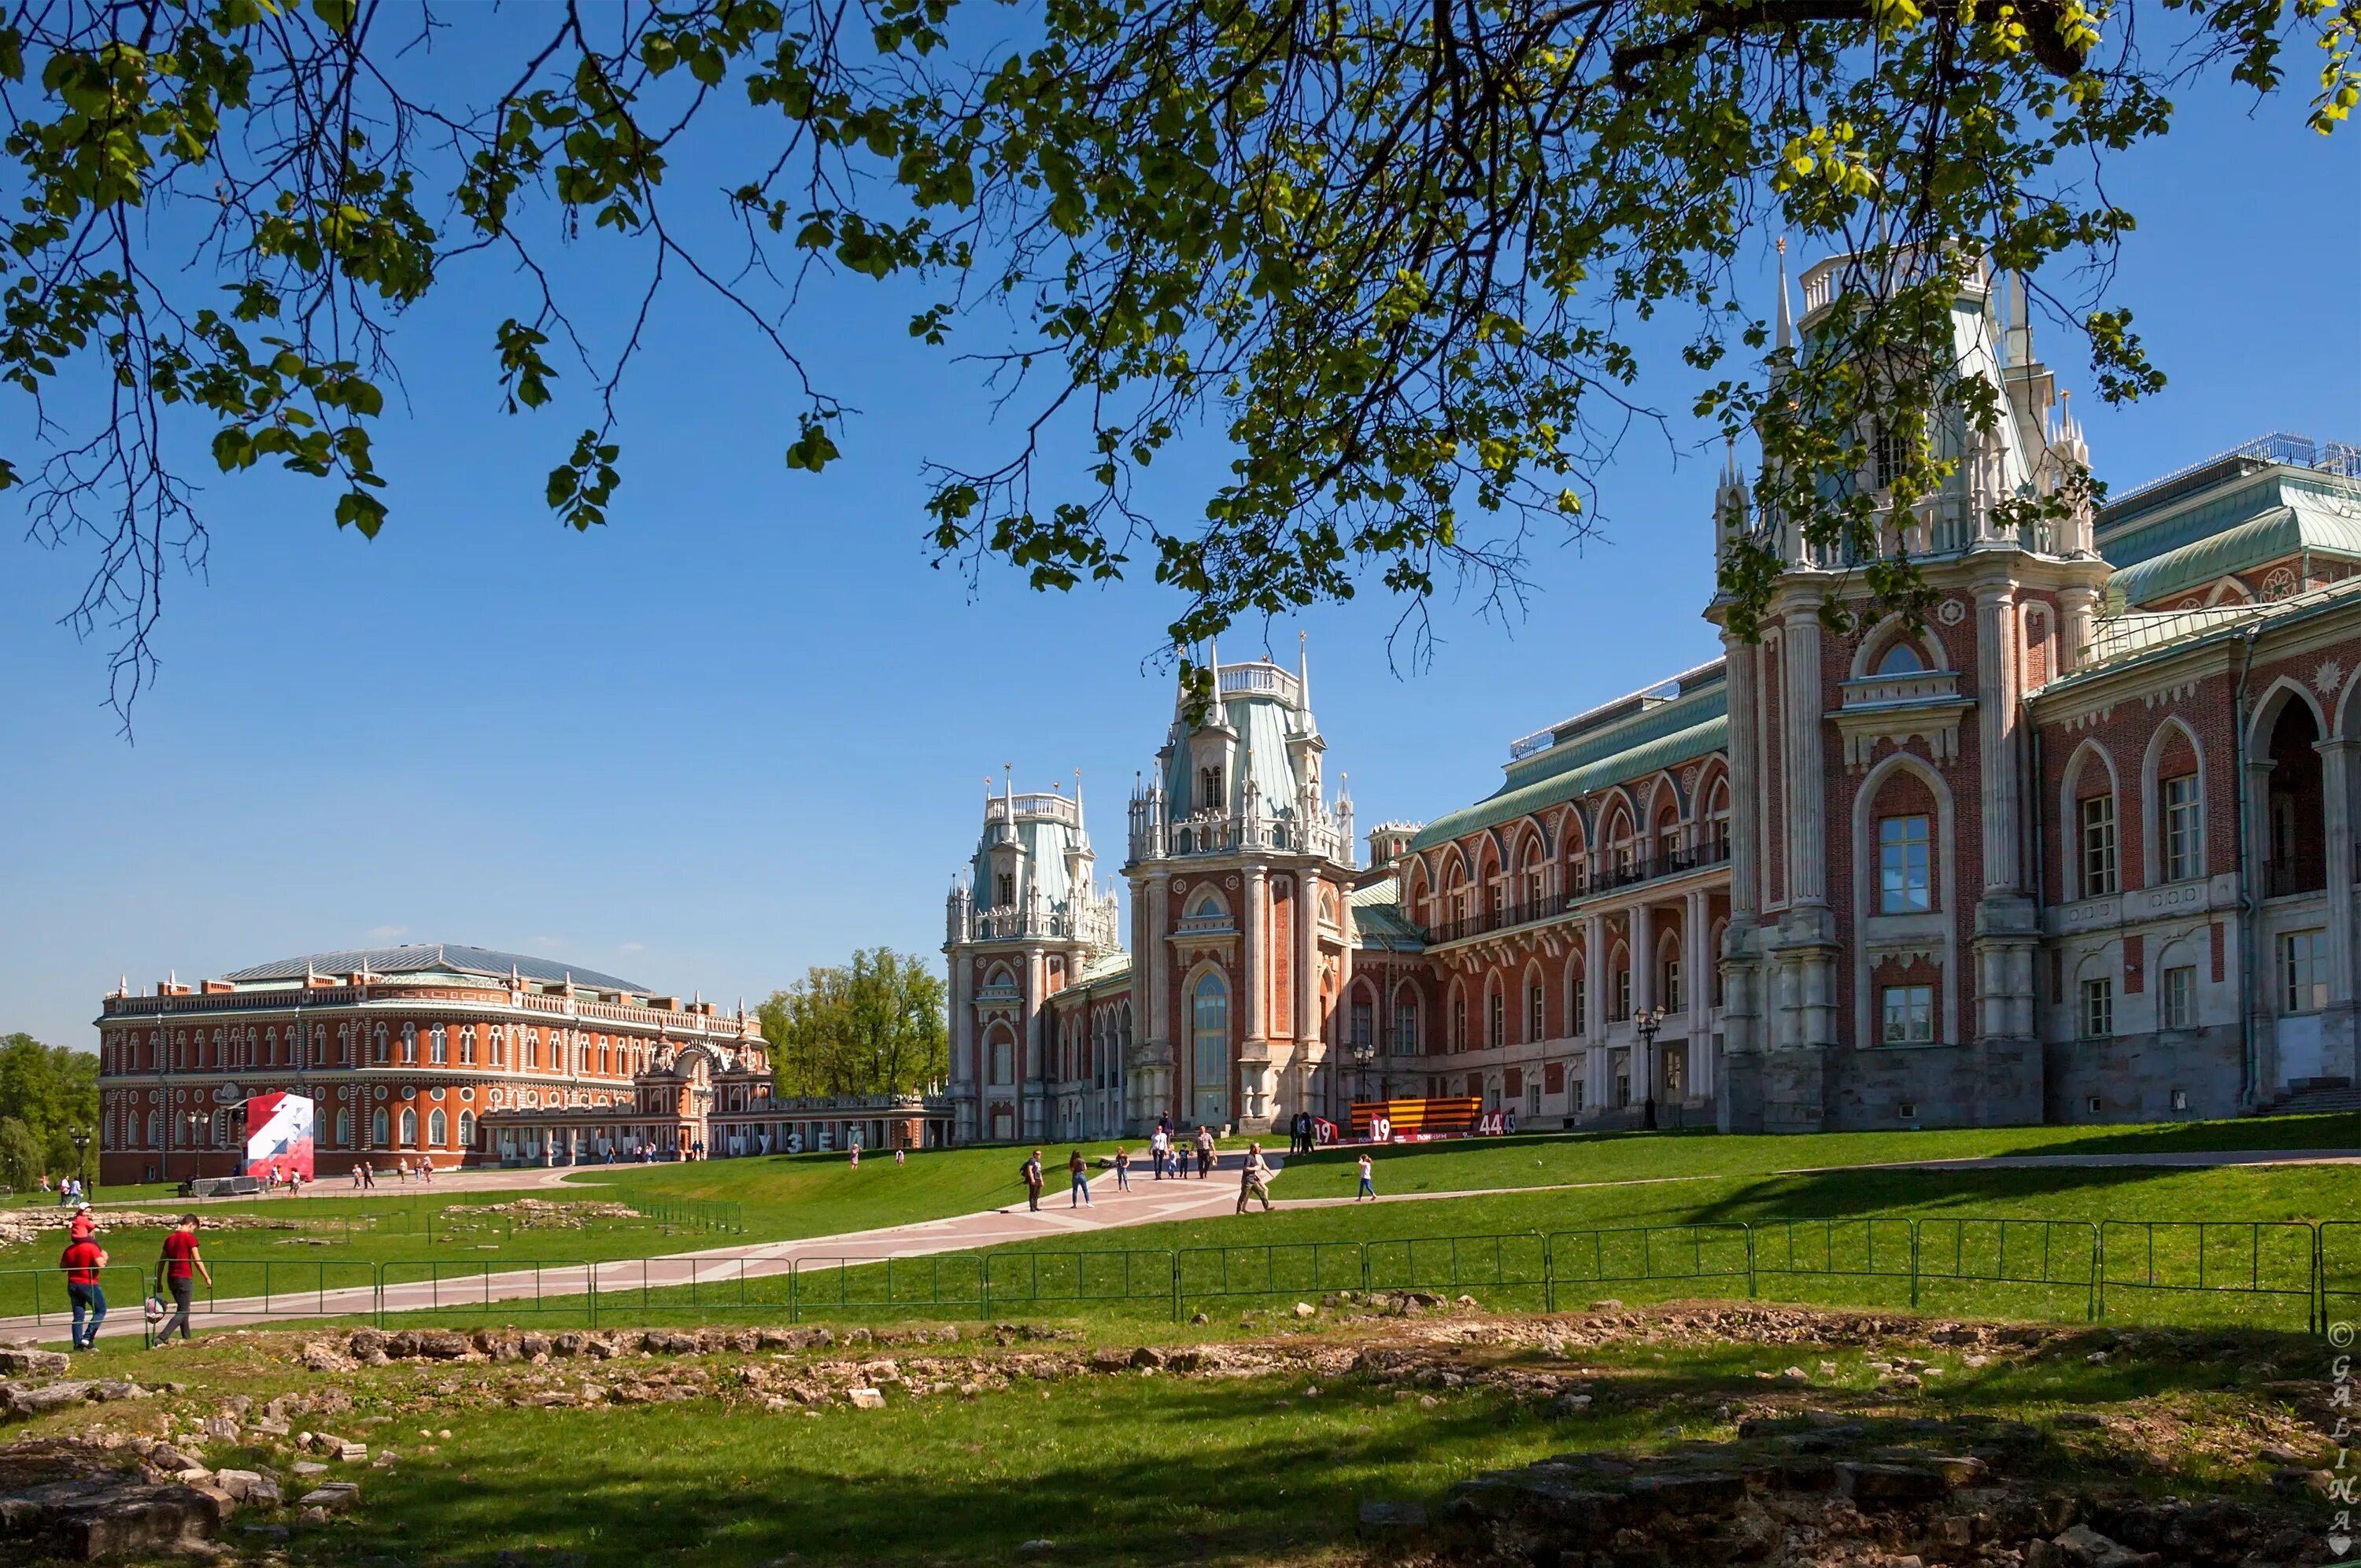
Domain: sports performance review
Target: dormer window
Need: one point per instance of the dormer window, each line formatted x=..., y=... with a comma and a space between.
x=1881, y=459
x=1004, y=889
x=1211, y=795
x=1901, y=660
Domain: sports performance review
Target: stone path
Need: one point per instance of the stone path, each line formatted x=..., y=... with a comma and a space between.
x=1148, y=1202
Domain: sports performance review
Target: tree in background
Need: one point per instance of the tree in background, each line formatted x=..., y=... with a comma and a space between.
x=873, y=1026
x=1393, y=252
x=46, y=1091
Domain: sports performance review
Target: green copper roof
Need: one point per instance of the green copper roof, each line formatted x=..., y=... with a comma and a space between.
x=1708, y=734
x=2302, y=519
x=1379, y=920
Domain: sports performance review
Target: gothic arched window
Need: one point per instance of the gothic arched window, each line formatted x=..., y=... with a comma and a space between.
x=1209, y=1015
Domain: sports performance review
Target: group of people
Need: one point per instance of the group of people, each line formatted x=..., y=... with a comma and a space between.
x=69, y=1190
x=1303, y=1134
x=178, y=1267
x=1170, y=1153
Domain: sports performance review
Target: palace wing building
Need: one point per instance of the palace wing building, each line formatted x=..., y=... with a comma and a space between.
x=445, y=1054
x=2080, y=846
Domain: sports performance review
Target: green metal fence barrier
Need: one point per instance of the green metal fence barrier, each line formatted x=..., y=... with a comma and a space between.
x=1708, y=1256
x=2230, y=1261
x=2244, y=1268
x=2016, y=1255
x=2339, y=1274
x=559, y=1285
x=289, y=1287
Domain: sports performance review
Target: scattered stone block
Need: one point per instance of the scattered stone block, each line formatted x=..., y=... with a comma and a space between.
x=866, y=1398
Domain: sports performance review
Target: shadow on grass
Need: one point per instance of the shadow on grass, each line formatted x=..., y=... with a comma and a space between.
x=1156, y=1470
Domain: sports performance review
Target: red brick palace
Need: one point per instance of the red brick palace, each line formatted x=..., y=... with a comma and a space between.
x=448, y=1054
x=2078, y=847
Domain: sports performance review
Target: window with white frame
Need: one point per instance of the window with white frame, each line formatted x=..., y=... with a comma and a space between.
x=1458, y=1022
x=1668, y=979
x=2304, y=971
x=1905, y=860
x=2183, y=852
x=1536, y=1016
x=1908, y=1015
x=2096, y=1020
x=1497, y=1021
x=1623, y=993
x=1406, y=1028
x=1579, y=1013
x=2096, y=816
x=2180, y=996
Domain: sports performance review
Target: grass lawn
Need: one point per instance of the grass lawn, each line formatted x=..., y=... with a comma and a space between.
x=1634, y=1180
x=1152, y=1469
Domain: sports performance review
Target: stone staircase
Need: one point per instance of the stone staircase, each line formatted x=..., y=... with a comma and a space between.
x=2311, y=1096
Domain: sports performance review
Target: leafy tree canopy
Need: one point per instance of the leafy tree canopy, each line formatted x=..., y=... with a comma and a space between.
x=48, y=1091
x=1393, y=252
x=872, y=1026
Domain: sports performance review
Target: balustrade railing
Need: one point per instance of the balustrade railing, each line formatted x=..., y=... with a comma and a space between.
x=1609, y=878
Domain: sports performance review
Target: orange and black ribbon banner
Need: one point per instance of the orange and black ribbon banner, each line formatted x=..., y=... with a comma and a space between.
x=1453, y=1116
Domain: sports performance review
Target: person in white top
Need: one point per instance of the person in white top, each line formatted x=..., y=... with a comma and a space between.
x=1157, y=1145
x=1367, y=1190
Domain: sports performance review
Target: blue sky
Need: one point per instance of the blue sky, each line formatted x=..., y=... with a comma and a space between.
x=745, y=727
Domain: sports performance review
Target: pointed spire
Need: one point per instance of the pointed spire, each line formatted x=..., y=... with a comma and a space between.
x=1214, y=715
x=1304, y=669
x=1078, y=801
x=1787, y=336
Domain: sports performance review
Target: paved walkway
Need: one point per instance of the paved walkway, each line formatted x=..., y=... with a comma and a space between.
x=1148, y=1202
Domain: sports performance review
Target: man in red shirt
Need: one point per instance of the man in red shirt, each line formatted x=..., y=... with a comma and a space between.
x=82, y=1259
x=173, y=1269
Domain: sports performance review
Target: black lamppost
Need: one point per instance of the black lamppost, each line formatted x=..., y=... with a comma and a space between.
x=81, y=1136
x=1648, y=1020
x=1365, y=1051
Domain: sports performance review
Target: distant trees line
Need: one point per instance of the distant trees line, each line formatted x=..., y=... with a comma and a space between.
x=46, y=1091
x=874, y=1025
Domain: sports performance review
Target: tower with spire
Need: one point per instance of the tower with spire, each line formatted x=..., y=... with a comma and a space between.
x=1919, y=710
x=1025, y=920
x=1240, y=867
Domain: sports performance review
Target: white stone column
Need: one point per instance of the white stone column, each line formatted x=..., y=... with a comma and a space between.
x=2078, y=607
x=1644, y=996
x=1807, y=792
x=1997, y=712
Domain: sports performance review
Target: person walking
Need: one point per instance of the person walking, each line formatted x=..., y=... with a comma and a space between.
x=369, y=1174
x=900, y=1154
x=1256, y=1180
x=1157, y=1143
x=1367, y=1189
x=1122, y=1170
x=1033, y=1182
x=180, y=1259
x=82, y=1259
x=856, y=1154
x=1205, y=1153
x=1078, y=1171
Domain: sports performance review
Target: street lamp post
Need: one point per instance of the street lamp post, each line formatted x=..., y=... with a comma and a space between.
x=81, y=1136
x=1648, y=1021
x=193, y=1119
x=1365, y=1051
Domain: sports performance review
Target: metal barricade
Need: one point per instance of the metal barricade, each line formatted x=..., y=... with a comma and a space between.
x=2232, y=1265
